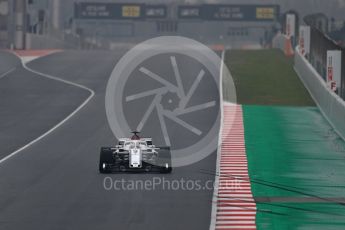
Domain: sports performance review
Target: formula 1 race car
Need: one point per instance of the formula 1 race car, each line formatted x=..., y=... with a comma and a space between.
x=135, y=154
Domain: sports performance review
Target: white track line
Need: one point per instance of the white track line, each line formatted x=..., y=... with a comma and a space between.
x=216, y=182
x=92, y=94
x=6, y=73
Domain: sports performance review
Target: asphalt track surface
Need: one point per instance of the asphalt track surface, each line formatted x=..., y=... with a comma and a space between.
x=31, y=104
x=55, y=184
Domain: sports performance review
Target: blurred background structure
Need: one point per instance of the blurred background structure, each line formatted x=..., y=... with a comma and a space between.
x=233, y=24
x=88, y=24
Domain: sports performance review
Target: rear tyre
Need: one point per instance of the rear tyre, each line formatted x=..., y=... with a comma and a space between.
x=105, y=160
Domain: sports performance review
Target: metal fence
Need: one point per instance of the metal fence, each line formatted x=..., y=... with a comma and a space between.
x=320, y=44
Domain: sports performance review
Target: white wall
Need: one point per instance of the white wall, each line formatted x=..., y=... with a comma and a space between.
x=34, y=41
x=330, y=104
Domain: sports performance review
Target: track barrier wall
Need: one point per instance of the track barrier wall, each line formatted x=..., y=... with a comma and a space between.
x=62, y=41
x=34, y=41
x=331, y=105
x=320, y=44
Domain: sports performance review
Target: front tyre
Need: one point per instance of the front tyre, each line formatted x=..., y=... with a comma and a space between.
x=165, y=160
x=166, y=169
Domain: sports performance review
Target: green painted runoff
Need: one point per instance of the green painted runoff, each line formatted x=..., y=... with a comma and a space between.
x=297, y=168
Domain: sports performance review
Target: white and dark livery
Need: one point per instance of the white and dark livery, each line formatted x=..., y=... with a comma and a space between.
x=135, y=154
